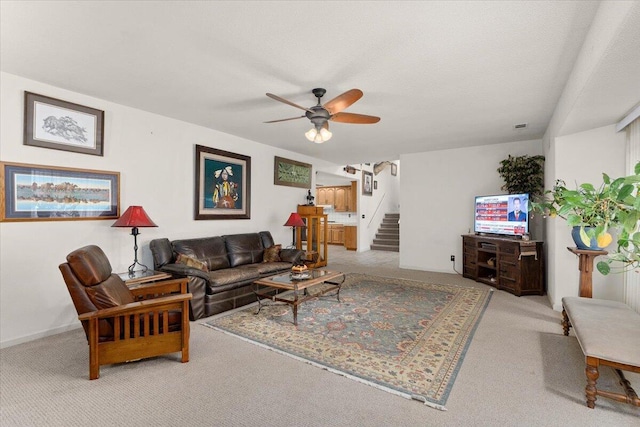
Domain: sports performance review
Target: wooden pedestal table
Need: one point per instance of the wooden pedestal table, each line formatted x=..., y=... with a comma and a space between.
x=585, y=265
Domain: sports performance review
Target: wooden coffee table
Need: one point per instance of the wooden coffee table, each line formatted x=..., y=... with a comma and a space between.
x=299, y=288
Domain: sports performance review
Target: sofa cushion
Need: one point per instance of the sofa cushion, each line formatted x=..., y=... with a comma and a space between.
x=211, y=250
x=272, y=254
x=231, y=275
x=270, y=267
x=191, y=262
x=244, y=248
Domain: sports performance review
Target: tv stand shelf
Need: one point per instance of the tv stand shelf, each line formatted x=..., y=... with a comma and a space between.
x=513, y=265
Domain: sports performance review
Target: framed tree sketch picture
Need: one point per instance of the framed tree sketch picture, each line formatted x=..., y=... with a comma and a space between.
x=62, y=125
x=222, y=184
x=367, y=183
x=49, y=193
x=291, y=173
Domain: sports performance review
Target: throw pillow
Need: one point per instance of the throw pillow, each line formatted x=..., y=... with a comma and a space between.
x=272, y=254
x=191, y=262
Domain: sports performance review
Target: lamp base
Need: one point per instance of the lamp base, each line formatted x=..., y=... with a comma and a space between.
x=132, y=267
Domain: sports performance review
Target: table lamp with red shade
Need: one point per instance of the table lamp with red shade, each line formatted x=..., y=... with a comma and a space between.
x=135, y=217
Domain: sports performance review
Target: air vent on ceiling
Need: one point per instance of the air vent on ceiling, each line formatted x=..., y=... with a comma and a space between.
x=520, y=126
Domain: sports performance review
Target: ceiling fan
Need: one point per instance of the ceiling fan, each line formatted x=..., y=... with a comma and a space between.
x=320, y=114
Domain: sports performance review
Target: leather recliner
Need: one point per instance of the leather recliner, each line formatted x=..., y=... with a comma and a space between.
x=123, y=324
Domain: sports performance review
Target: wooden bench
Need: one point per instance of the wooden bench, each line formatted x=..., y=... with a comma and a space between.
x=609, y=335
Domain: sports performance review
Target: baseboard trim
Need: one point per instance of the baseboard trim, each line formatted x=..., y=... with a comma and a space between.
x=47, y=333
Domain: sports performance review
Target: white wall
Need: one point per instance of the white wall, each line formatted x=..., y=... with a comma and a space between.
x=579, y=155
x=578, y=158
x=155, y=158
x=437, y=193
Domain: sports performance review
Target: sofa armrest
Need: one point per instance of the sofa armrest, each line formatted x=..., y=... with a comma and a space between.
x=293, y=256
x=182, y=270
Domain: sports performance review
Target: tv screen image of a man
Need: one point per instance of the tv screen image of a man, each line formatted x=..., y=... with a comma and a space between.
x=516, y=214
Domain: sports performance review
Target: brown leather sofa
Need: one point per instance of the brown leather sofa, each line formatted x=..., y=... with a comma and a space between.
x=230, y=265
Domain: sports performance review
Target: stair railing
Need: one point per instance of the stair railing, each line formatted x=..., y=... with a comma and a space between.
x=376, y=211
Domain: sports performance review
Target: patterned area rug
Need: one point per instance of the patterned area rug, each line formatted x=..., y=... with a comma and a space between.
x=403, y=336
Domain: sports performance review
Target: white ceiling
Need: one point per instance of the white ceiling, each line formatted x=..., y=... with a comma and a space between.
x=439, y=74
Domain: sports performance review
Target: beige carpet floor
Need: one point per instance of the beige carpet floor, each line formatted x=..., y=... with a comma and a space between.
x=519, y=371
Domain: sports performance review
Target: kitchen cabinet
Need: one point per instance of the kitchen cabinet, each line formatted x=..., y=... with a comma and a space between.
x=337, y=234
x=343, y=198
x=352, y=198
x=340, y=198
x=351, y=237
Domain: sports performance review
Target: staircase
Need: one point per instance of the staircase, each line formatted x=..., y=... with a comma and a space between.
x=388, y=235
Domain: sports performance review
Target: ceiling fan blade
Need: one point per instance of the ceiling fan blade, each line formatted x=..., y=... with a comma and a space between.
x=277, y=98
x=341, y=102
x=284, y=120
x=360, y=119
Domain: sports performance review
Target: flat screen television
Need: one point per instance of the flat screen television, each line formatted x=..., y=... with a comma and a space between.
x=505, y=214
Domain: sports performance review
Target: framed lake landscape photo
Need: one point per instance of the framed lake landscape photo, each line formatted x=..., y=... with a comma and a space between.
x=61, y=125
x=49, y=193
x=222, y=184
x=291, y=173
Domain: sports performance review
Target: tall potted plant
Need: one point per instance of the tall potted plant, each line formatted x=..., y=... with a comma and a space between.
x=523, y=174
x=594, y=211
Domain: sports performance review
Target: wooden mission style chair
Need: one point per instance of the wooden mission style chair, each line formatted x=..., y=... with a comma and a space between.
x=125, y=324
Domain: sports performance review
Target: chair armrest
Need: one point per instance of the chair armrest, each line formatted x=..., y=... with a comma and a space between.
x=161, y=287
x=172, y=301
x=184, y=271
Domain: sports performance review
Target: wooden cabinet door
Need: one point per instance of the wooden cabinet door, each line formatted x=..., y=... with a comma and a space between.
x=330, y=198
x=337, y=234
x=340, y=194
x=350, y=237
x=321, y=196
x=353, y=197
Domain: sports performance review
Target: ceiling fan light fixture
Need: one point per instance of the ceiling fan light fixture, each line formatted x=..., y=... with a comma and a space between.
x=318, y=136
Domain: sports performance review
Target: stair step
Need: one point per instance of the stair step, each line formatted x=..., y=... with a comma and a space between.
x=394, y=231
x=388, y=236
x=394, y=242
x=389, y=248
x=390, y=221
x=394, y=215
x=389, y=225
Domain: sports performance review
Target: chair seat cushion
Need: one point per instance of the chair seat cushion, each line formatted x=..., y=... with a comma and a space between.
x=111, y=293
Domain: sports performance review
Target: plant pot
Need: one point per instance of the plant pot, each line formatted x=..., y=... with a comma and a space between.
x=593, y=245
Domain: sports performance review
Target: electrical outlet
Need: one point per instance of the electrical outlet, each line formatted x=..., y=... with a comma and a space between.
x=453, y=258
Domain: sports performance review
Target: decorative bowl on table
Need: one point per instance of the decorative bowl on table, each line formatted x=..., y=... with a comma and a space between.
x=300, y=272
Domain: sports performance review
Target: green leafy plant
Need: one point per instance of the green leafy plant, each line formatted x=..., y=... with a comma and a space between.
x=613, y=205
x=523, y=174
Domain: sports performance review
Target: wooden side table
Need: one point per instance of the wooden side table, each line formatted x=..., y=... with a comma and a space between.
x=140, y=277
x=585, y=265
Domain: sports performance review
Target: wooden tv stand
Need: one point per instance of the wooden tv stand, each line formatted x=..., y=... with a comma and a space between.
x=513, y=265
